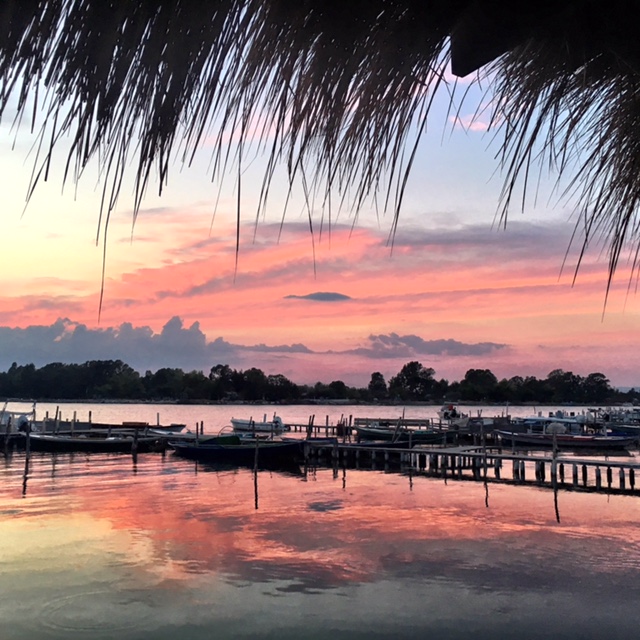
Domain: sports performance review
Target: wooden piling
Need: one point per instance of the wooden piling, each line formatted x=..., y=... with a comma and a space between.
x=134, y=444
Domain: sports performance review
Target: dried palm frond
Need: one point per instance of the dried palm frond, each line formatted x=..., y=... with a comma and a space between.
x=338, y=91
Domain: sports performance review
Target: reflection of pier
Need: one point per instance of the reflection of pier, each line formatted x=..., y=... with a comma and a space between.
x=488, y=465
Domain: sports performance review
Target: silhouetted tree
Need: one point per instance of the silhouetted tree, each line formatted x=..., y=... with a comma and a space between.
x=478, y=384
x=413, y=382
x=377, y=386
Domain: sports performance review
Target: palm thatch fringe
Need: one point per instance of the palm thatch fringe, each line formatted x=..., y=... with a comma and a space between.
x=338, y=92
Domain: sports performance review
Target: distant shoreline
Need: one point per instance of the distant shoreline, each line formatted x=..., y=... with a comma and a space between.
x=337, y=403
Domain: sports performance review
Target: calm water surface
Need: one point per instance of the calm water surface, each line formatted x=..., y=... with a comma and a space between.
x=97, y=546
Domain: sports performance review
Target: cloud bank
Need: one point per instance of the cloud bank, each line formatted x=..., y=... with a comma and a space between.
x=187, y=348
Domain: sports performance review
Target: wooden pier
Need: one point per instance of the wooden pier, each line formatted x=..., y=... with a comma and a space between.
x=483, y=464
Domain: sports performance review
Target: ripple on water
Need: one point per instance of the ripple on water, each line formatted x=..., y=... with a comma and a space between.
x=101, y=613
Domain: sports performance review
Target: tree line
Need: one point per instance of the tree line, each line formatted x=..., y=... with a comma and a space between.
x=115, y=380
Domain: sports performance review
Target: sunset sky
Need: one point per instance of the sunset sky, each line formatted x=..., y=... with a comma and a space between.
x=455, y=291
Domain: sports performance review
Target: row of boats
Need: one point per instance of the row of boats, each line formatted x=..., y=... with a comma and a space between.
x=267, y=437
x=558, y=429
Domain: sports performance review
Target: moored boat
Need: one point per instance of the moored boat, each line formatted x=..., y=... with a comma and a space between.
x=52, y=425
x=237, y=451
x=95, y=443
x=566, y=440
x=450, y=415
x=404, y=435
x=274, y=426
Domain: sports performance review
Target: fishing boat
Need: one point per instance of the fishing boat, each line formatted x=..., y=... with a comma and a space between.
x=238, y=451
x=91, y=442
x=566, y=440
x=15, y=421
x=405, y=435
x=450, y=415
x=274, y=426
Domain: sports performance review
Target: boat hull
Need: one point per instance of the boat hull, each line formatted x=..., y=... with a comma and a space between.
x=408, y=436
x=238, y=453
x=92, y=444
x=564, y=441
x=275, y=427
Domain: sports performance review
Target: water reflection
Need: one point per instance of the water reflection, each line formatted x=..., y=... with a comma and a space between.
x=167, y=548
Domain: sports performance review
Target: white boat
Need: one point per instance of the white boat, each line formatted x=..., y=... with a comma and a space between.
x=451, y=416
x=15, y=421
x=274, y=426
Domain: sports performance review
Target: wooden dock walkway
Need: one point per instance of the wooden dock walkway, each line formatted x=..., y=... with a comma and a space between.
x=484, y=464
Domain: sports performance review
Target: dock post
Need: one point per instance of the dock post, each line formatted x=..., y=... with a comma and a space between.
x=516, y=470
x=522, y=471
x=561, y=472
x=575, y=475
x=27, y=444
x=584, y=475
x=134, y=445
x=609, y=477
x=598, y=478
x=632, y=479
x=622, y=480
x=26, y=460
x=496, y=468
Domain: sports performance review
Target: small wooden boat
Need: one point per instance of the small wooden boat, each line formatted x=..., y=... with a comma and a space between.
x=404, y=435
x=50, y=425
x=117, y=442
x=274, y=426
x=223, y=449
x=566, y=441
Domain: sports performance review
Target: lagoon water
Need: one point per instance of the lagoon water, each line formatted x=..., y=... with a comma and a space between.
x=99, y=546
